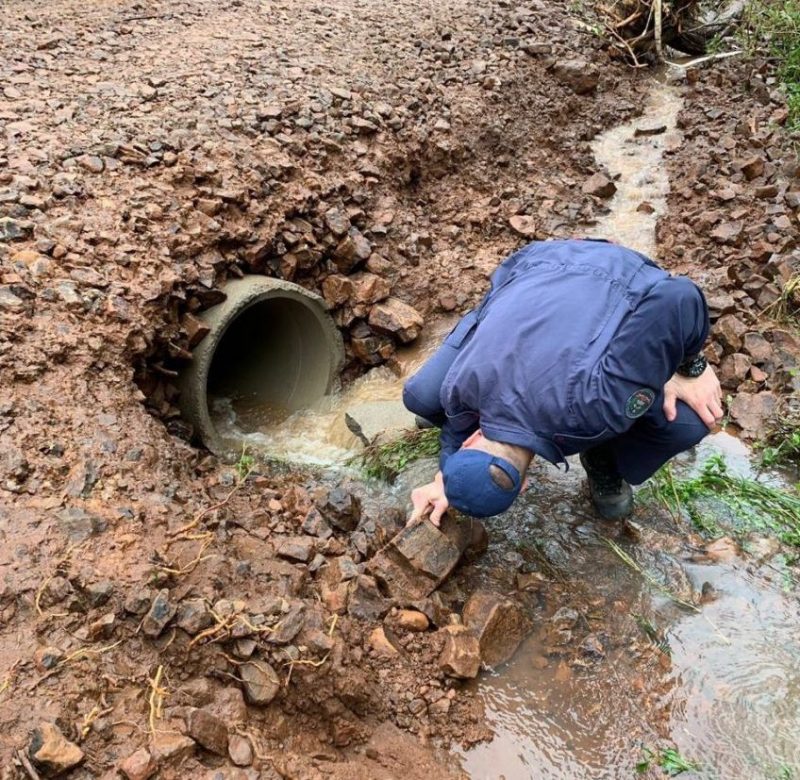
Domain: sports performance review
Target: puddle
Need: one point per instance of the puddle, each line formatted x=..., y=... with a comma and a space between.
x=318, y=435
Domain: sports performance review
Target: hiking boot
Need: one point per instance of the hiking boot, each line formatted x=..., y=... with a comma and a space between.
x=611, y=494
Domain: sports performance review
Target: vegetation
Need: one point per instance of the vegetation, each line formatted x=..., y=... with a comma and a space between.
x=782, y=445
x=672, y=762
x=773, y=27
x=245, y=464
x=386, y=461
x=753, y=505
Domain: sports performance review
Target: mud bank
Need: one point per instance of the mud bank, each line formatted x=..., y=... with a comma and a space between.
x=370, y=154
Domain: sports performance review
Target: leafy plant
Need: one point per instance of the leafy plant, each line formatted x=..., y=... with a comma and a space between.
x=756, y=505
x=386, y=461
x=672, y=762
x=245, y=464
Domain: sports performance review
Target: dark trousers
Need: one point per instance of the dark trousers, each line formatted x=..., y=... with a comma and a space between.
x=639, y=452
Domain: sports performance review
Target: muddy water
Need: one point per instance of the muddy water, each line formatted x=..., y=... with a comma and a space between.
x=728, y=695
x=319, y=434
x=634, y=152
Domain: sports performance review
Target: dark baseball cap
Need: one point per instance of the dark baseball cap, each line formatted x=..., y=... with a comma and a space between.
x=470, y=488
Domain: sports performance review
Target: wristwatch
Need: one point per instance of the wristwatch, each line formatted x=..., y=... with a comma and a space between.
x=693, y=366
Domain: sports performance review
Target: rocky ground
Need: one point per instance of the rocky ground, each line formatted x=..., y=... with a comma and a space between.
x=161, y=612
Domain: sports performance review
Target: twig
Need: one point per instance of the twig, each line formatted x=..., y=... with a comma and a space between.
x=721, y=56
x=27, y=766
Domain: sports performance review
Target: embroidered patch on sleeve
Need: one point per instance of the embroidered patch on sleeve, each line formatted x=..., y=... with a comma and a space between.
x=639, y=403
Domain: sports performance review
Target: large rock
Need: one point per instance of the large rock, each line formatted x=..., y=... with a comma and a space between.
x=729, y=331
x=579, y=75
x=397, y=319
x=387, y=419
x=364, y=600
x=461, y=654
x=51, y=751
x=138, y=766
x=421, y=556
x=341, y=508
x=352, y=250
x=498, y=623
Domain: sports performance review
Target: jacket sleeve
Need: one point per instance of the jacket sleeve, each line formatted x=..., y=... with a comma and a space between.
x=451, y=440
x=668, y=326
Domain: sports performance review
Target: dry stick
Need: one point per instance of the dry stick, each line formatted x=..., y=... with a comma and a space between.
x=659, y=45
x=27, y=766
x=636, y=62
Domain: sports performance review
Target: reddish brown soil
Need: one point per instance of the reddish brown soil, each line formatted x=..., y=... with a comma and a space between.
x=150, y=151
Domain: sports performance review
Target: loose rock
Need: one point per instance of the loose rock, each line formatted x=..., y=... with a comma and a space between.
x=51, y=751
x=260, y=683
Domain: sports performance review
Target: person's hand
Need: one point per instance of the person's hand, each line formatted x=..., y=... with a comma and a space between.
x=703, y=394
x=429, y=498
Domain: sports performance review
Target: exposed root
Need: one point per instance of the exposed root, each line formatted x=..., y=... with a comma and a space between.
x=27, y=766
x=56, y=569
x=156, y=699
x=214, y=507
x=207, y=539
x=84, y=652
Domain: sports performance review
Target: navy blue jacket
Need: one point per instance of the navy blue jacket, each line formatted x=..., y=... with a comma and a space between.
x=570, y=346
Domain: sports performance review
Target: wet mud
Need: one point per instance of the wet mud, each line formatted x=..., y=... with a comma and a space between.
x=163, y=614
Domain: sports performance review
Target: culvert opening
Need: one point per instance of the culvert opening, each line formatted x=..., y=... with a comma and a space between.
x=274, y=356
x=271, y=346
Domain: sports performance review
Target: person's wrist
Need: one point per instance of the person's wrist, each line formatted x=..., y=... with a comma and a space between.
x=693, y=367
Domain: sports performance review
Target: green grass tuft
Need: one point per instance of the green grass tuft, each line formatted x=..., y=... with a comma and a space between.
x=772, y=27
x=386, y=461
x=755, y=506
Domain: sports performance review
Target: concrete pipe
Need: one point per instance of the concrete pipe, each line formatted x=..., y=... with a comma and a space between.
x=271, y=342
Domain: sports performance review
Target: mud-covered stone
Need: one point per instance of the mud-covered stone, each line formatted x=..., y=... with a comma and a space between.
x=209, y=731
x=499, y=624
x=160, y=614
x=240, y=750
x=365, y=601
x=138, y=766
x=51, y=751
x=523, y=225
x=461, y=654
x=752, y=411
x=579, y=75
x=341, y=508
x=193, y=616
x=421, y=556
x=394, y=318
x=600, y=186
x=260, y=683
x=296, y=548
x=383, y=642
x=166, y=746
x=289, y=626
